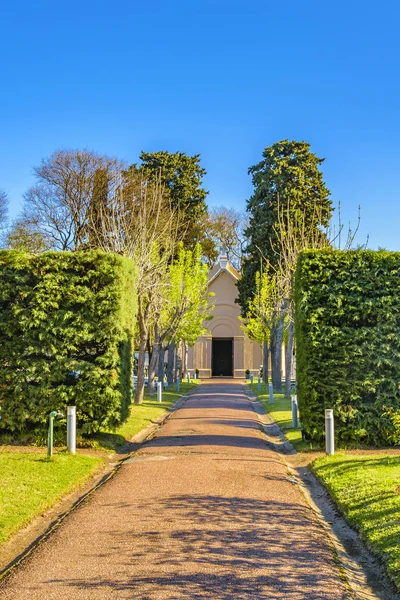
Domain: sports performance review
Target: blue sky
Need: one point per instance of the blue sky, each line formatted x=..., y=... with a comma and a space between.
x=221, y=78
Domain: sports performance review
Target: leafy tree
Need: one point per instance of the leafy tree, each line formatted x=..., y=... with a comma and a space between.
x=288, y=178
x=262, y=313
x=182, y=175
x=182, y=306
x=288, y=181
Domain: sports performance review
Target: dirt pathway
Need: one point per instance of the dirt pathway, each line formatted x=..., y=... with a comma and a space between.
x=204, y=510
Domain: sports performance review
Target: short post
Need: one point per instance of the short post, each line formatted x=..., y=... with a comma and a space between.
x=159, y=391
x=329, y=431
x=251, y=378
x=178, y=384
x=259, y=383
x=188, y=376
x=271, y=393
x=71, y=429
x=295, y=414
x=50, y=435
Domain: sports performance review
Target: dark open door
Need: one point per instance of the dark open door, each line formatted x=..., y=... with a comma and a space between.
x=222, y=357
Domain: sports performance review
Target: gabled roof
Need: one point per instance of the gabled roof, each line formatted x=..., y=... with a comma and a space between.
x=224, y=266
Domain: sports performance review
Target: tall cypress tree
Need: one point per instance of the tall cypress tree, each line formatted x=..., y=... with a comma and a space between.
x=288, y=178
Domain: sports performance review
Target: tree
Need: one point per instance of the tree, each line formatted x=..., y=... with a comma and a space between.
x=3, y=212
x=182, y=175
x=288, y=180
x=3, y=208
x=182, y=306
x=139, y=221
x=24, y=236
x=225, y=229
x=60, y=205
x=263, y=314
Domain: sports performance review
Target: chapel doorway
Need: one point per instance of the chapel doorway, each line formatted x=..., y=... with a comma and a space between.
x=222, y=357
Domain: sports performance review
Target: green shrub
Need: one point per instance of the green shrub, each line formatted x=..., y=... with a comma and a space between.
x=348, y=343
x=66, y=325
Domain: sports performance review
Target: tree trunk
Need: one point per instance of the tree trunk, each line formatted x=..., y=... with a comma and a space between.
x=141, y=365
x=178, y=362
x=289, y=358
x=154, y=360
x=184, y=359
x=265, y=361
x=171, y=361
x=143, y=336
x=276, y=350
x=160, y=371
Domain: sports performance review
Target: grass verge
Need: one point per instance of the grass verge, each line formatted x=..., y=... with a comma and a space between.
x=31, y=483
x=367, y=491
x=281, y=411
x=141, y=415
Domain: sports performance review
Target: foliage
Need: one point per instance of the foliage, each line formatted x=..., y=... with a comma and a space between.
x=32, y=483
x=23, y=235
x=262, y=308
x=288, y=178
x=182, y=175
x=366, y=489
x=66, y=325
x=347, y=327
x=187, y=296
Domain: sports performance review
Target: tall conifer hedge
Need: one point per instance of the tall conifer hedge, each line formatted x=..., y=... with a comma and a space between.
x=66, y=326
x=348, y=343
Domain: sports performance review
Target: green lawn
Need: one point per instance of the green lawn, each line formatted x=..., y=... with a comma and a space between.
x=367, y=490
x=30, y=483
x=141, y=416
x=281, y=411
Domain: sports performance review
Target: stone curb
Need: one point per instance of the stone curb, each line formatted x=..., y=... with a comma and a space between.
x=25, y=541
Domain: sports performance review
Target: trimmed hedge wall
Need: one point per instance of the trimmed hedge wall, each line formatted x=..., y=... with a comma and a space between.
x=347, y=324
x=66, y=327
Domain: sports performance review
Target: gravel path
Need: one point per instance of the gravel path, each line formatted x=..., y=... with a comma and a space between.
x=203, y=510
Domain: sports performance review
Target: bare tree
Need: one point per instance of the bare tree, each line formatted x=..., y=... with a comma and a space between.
x=225, y=227
x=295, y=232
x=60, y=205
x=3, y=208
x=138, y=221
x=3, y=213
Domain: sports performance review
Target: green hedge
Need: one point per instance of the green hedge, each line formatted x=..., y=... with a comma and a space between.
x=64, y=314
x=347, y=326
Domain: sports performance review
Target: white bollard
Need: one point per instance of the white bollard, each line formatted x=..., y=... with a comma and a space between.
x=259, y=384
x=271, y=393
x=295, y=415
x=188, y=377
x=329, y=431
x=71, y=429
x=159, y=391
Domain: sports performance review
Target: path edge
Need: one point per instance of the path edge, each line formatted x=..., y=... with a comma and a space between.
x=72, y=501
